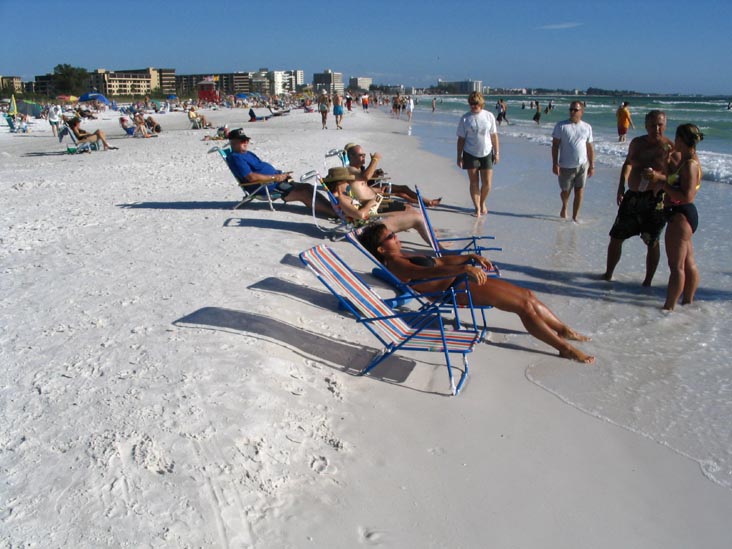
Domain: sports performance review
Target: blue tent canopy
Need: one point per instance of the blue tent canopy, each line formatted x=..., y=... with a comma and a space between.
x=31, y=108
x=93, y=96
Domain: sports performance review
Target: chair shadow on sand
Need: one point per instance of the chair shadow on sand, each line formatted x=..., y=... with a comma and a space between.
x=347, y=357
x=47, y=153
x=192, y=205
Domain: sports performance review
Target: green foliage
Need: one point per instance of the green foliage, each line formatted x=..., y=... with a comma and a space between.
x=70, y=80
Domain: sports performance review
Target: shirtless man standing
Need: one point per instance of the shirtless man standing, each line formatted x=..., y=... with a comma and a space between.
x=640, y=210
x=338, y=109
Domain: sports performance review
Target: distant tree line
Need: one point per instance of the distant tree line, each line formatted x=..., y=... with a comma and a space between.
x=68, y=80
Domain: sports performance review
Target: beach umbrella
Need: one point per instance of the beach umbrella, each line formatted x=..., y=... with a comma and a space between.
x=94, y=96
x=68, y=98
x=13, y=110
x=172, y=97
x=30, y=108
x=241, y=96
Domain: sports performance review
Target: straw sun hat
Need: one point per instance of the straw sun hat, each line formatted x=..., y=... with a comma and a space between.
x=337, y=174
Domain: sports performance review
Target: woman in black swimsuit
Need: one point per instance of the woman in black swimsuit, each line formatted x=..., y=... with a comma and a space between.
x=536, y=317
x=680, y=187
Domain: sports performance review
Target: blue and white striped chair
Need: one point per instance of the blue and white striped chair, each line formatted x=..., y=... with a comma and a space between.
x=405, y=293
x=408, y=331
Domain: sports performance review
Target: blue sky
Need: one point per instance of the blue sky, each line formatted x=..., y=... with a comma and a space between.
x=643, y=45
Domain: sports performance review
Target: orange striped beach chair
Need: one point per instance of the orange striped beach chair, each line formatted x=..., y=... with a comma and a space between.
x=422, y=330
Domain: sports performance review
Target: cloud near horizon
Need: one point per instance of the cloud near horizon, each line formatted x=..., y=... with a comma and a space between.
x=561, y=26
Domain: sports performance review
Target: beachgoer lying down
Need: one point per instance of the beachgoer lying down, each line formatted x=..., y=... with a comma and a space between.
x=536, y=317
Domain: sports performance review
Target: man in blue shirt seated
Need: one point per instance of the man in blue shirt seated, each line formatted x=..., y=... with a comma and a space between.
x=248, y=168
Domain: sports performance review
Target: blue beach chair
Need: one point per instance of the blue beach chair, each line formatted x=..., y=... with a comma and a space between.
x=466, y=244
x=405, y=293
x=252, y=191
x=14, y=126
x=397, y=331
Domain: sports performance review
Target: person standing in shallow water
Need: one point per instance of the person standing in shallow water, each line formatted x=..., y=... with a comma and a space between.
x=680, y=187
x=640, y=208
x=573, y=158
x=624, y=121
x=478, y=150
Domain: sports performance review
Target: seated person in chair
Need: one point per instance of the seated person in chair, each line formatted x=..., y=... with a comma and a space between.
x=536, y=317
x=250, y=172
x=362, y=210
x=370, y=173
x=198, y=119
x=83, y=136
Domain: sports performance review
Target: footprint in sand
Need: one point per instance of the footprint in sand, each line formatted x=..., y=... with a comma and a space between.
x=366, y=536
x=319, y=464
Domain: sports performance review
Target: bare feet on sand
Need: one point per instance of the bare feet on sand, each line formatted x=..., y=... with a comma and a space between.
x=570, y=334
x=575, y=354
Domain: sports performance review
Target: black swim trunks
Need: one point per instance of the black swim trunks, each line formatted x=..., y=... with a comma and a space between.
x=640, y=213
x=392, y=206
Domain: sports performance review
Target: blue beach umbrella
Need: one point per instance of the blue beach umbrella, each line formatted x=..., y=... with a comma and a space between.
x=241, y=96
x=172, y=97
x=93, y=96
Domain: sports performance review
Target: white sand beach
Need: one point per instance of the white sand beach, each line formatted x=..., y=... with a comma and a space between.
x=173, y=377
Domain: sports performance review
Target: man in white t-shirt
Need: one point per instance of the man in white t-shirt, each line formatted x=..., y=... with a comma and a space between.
x=477, y=150
x=573, y=157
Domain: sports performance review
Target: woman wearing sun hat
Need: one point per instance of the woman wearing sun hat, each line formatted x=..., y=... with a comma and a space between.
x=363, y=212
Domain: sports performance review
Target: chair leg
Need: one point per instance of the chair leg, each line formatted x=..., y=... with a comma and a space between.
x=463, y=376
x=378, y=359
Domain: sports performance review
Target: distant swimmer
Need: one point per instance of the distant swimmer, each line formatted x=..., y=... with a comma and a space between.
x=624, y=120
x=537, y=115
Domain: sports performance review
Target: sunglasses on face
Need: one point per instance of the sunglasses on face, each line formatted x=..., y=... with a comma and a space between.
x=390, y=236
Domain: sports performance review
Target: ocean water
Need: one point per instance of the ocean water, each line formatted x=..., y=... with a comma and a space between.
x=667, y=377
x=710, y=114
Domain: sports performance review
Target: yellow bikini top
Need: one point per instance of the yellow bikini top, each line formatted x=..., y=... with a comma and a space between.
x=673, y=179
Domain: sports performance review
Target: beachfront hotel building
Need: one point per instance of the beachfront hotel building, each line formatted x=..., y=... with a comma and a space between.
x=12, y=84
x=360, y=83
x=462, y=86
x=229, y=83
x=133, y=81
x=329, y=81
x=263, y=81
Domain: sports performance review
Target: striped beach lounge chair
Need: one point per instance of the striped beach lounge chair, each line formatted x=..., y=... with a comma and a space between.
x=422, y=330
x=447, y=300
